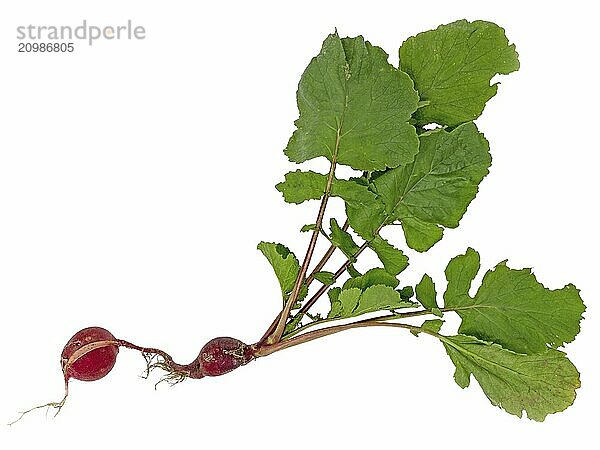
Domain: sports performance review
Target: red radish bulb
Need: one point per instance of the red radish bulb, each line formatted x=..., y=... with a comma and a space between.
x=90, y=354
x=220, y=356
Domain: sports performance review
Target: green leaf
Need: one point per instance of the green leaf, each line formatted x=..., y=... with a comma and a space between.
x=354, y=108
x=299, y=186
x=343, y=302
x=353, y=192
x=301, y=296
x=393, y=259
x=372, y=278
x=511, y=307
x=336, y=304
x=366, y=219
x=309, y=227
x=426, y=295
x=327, y=278
x=343, y=240
x=437, y=188
x=353, y=302
x=379, y=298
x=407, y=293
x=420, y=235
x=284, y=263
x=432, y=325
x=539, y=384
x=452, y=67
x=334, y=294
x=293, y=324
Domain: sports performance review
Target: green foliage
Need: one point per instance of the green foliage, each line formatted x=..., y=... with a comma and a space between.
x=300, y=186
x=393, y=259
x=430, y=193
x=354, y=108
x=346, y=303
x=284, y=263
x=511, y=307
x=426, y=295
x=286, y=267
x=342, y=240
x=358, y=110
x=452, y=67
x=437, y=187
x=324, y=277
x=371, y=278
x=407, y=292
x=431, y=325
x=540, y=384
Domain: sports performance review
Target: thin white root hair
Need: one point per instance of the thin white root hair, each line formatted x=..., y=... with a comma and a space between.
x=55, y=405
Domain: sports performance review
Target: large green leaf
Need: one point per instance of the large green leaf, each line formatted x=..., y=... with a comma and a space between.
x=452, y=67
x=436, y=189
x=354, y=108
x=539, y=384
x=511, y=307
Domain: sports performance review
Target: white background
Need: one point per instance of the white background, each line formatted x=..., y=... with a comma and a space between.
x=136, y=178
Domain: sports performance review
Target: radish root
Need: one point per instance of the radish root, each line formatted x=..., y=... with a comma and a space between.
x=157, y=361
x=56, y=405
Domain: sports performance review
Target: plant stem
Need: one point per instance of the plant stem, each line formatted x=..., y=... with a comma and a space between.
x=338, y=274
x=325, y=287
x=318, y=294
x=276, y=335
x=325, y=258
x=422, y=312
x=316, y=334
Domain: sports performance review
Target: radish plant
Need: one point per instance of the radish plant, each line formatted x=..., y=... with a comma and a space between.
x=409, y=134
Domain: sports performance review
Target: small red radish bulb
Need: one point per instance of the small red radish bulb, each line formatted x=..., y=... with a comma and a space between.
x=220, y=356
x=89, y=355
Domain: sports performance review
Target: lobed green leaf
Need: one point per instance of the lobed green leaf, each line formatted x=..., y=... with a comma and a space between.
x=436, y=189
x=511, y=307
x=539, y=384
x=354, y=108
x=452, y=67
